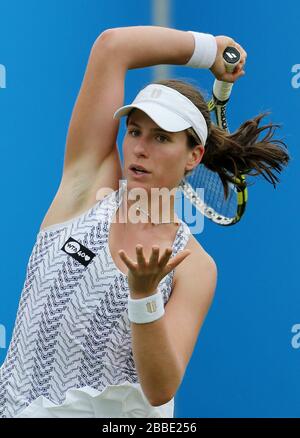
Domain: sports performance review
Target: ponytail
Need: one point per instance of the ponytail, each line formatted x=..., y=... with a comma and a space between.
x=240, y=152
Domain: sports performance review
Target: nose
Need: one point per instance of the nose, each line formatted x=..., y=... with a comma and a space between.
x=140, y=148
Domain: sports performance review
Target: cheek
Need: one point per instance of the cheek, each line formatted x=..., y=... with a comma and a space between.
x=171, y=166
x=127, y=152
x=124, y=147
x=176, y=160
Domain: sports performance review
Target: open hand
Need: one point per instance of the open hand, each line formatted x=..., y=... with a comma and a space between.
x=143, y=276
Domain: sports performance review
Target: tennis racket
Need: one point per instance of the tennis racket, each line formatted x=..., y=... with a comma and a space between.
x=214, y=205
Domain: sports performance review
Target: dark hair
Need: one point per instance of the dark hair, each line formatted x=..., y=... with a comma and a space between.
x=240, y=152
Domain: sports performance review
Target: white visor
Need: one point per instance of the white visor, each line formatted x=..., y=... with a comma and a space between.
x=169, y=109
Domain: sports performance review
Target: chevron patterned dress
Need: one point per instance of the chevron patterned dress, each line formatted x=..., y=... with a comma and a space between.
x=70, y=353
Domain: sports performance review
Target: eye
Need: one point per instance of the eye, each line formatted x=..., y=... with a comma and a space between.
x=162, y=136
x=132, y=130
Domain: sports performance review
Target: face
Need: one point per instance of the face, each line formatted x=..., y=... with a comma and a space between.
x=164, y=154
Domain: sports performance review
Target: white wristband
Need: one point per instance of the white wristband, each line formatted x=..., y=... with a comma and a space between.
x=148, y=309
x=205, y=51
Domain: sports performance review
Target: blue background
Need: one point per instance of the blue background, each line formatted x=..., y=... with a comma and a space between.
x=244, y=364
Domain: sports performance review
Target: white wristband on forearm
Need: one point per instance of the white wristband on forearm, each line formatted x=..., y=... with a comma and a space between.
x=148, y=309
x=205, y=51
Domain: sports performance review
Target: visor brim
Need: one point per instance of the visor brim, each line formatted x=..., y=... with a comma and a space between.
x=163, y=117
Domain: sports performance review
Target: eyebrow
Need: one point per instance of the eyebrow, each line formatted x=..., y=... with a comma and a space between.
x=152, y=129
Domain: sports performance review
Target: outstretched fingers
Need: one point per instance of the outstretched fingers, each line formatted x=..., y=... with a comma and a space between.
x=153, y=261
x=165, y=257
x=127, y=260
x=140, y=256
x=175, y=261
x=165, y=264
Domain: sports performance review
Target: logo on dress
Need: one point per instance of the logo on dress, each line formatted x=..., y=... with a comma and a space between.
x=79, y=252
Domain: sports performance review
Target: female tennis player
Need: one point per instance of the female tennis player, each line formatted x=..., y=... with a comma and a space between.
x=112, y=306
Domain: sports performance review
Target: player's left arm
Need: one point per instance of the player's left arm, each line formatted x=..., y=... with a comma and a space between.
x=163, y=347
x=189, y=303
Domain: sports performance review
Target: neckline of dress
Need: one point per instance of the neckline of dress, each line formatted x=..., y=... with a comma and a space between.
x=116, y=202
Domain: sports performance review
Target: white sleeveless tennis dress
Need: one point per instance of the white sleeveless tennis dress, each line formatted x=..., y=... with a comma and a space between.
x=70, y=353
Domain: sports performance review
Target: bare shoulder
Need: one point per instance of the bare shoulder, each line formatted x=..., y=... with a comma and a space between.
x=198, y=262
x=77, y=193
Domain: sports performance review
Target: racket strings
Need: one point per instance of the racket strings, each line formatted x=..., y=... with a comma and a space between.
x=213, y=191
x=211, y=201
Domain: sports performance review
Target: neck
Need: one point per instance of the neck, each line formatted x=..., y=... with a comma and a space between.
x=149, y=213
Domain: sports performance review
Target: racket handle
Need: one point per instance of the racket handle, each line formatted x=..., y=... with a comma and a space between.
x=222, y=89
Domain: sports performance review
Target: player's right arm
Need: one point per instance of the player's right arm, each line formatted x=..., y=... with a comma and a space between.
x=92, y=134
x=91, y=158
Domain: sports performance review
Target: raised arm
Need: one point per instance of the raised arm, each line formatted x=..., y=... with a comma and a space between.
x=144, y=46
x=91, y=150
x=91, y=156
x=93, y=132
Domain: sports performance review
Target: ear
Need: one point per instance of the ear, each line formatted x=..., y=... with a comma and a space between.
x=195, y=157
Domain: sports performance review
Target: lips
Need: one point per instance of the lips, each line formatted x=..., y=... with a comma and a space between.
x=138, y=168
x=138, y=174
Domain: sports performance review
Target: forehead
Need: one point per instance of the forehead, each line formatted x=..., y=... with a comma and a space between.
x=140, y=116
x=142, y=119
